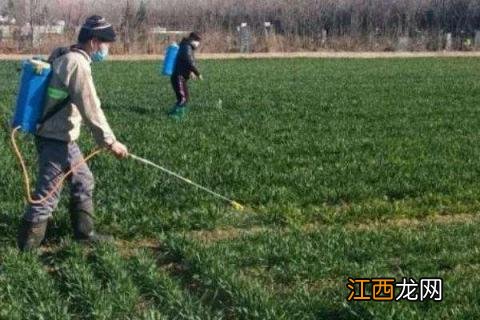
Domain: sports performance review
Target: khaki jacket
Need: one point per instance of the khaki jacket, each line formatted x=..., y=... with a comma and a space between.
x=72, y=83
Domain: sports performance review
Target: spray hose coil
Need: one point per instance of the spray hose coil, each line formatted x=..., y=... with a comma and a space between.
x=26, y=177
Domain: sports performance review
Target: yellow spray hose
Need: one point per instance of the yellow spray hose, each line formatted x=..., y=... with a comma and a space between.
x=59, y=183
x=233, y=203
x=26, y=178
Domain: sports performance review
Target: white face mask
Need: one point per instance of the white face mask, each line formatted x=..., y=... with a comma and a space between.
x=195, y=44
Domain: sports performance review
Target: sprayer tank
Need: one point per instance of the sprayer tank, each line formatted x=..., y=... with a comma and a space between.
x=170, y=59
x=31, y=95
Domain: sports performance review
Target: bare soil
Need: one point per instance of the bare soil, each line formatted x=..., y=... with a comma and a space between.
x=323, y=54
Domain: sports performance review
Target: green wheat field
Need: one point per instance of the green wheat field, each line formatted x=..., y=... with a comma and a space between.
x=347, y=168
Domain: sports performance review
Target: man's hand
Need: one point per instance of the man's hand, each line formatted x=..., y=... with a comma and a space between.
x=193, y=76
x=119, y=150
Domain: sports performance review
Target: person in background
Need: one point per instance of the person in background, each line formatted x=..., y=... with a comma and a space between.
x=185, y=69
x=71, y=99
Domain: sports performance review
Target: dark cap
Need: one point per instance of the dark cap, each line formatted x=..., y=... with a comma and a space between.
x=96, y=27
x=195, y=36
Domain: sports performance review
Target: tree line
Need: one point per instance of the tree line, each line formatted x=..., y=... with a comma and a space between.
x=312, y=23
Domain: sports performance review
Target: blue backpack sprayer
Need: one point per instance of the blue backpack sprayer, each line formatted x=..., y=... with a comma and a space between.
x=28, y=114
x=31, y=97
x=170, y=59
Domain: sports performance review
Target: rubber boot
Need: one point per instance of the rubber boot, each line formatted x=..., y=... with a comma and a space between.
x=178, y=112
x=83, y=231
x=172, y=111
x=30, y=235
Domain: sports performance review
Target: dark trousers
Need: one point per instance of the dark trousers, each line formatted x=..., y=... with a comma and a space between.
x=54, y=159
x=179, y=84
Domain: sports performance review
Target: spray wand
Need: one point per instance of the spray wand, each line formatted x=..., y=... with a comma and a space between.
x=233, y=203
x=59, y=183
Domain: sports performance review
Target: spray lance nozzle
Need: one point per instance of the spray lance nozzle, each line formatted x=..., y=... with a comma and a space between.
x=237, y=206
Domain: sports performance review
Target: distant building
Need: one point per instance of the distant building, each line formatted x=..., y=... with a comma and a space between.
x=164, y=31
x=6, y=20
x=6, y=32
x=157, y=30
x=7, y=27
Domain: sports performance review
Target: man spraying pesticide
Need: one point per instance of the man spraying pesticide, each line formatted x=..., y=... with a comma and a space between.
x=71, y=97
x=55, y=120
x=184, y=68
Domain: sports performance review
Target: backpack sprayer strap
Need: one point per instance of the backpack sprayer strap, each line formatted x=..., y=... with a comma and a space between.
x=56, y=109
x=57, y=53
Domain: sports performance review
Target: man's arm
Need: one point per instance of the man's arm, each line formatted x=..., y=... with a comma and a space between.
x=84, y=96
x=191, y=61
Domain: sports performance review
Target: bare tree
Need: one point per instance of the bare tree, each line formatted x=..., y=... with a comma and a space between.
x=126, y=25
x=299, y=23
x=33, y=16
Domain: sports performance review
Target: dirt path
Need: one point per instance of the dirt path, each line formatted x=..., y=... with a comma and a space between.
x=209, y=236
x=358, y=55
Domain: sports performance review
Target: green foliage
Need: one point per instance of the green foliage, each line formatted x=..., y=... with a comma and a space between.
x=27, y=291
